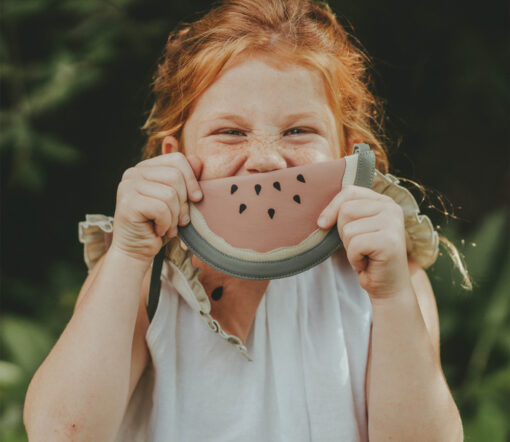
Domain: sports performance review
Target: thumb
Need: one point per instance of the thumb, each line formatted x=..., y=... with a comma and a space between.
x=196, y=164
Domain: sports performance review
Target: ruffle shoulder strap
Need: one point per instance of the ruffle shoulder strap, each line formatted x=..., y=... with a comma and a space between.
x=95, y=233
x=422, y=240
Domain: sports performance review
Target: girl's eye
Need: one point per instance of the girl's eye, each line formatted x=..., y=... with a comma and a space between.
x=295, y=131
x=236, y=132
x=231, y=132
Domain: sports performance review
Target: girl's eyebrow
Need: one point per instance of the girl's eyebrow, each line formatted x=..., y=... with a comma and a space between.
x=227, y=116
x=289, y=119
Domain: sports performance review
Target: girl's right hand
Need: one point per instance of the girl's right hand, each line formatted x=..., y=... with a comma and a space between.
x=151, y=200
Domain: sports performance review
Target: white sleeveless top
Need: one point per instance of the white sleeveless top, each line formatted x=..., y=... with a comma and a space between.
x=301, y=375
x=306, y=381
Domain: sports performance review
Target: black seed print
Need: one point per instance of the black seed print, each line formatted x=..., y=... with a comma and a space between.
x=297, y=199
x=301, y=178
x=271, y=213
x=276, y=185
x=217, y=293
x=242, y=208
x=233, y=189
x=257, y=188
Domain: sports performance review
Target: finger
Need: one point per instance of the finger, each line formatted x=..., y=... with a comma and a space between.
x=328, y=216
x=172, y=177
x=154, y=210
x=374, y=246
x=353, y=191
x=362, y=248
x=356, y=209
x=177, y=159
x=167, y=195
x=358, y=227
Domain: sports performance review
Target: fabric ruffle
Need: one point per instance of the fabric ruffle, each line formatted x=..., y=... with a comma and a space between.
x=184, y=277
x=97, y=230
x=95, y=233
x=422, y=240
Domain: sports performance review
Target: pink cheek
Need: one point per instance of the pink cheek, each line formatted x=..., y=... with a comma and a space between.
x=308, y=156
x=223, y=164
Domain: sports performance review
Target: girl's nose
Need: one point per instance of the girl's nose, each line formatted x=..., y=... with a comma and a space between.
x=264, y=159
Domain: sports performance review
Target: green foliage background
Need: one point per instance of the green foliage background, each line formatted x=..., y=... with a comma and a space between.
x=74, y=93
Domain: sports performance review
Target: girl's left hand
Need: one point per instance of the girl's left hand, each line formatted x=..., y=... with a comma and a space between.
x=371, y=227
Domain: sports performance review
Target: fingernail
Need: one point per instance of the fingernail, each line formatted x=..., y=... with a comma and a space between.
x=185, y=219
x=197, y=194
x=322, y=221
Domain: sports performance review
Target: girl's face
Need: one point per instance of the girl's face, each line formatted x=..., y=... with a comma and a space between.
x=259, y=117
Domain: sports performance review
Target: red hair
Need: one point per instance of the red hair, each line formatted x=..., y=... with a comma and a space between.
x=302, y=32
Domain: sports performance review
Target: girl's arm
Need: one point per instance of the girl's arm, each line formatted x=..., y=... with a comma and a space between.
x=81, y=390
x=407, y=394
x=408, y=397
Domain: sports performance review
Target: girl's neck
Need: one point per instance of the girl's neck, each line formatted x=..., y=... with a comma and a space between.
x=234, y=301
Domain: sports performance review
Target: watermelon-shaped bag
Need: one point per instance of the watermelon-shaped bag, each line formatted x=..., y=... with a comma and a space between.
x=264, y=225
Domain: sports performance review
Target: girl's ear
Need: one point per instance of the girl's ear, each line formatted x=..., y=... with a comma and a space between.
x=170, y=144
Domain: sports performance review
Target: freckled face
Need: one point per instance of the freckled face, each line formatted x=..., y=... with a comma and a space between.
x=258, y=117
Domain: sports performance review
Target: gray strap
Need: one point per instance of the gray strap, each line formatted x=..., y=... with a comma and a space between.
x=366, y=165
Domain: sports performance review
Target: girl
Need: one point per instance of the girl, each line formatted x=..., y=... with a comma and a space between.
x=348, y=350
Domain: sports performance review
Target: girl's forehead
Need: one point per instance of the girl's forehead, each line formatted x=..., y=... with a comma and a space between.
x=283, y=64
x=264, y=80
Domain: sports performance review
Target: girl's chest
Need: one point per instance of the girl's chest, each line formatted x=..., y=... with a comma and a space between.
x=306, y=377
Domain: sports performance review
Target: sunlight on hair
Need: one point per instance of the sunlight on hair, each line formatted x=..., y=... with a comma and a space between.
x=458, y=261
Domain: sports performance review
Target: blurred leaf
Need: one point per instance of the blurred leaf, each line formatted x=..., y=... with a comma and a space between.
x=11, y=424
x=499, y=382
x=9, y=374
x=26, y=342
x=66, y=78
x=15, y=9
x=29, y=146
x=57, y=151
x=489, y=424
